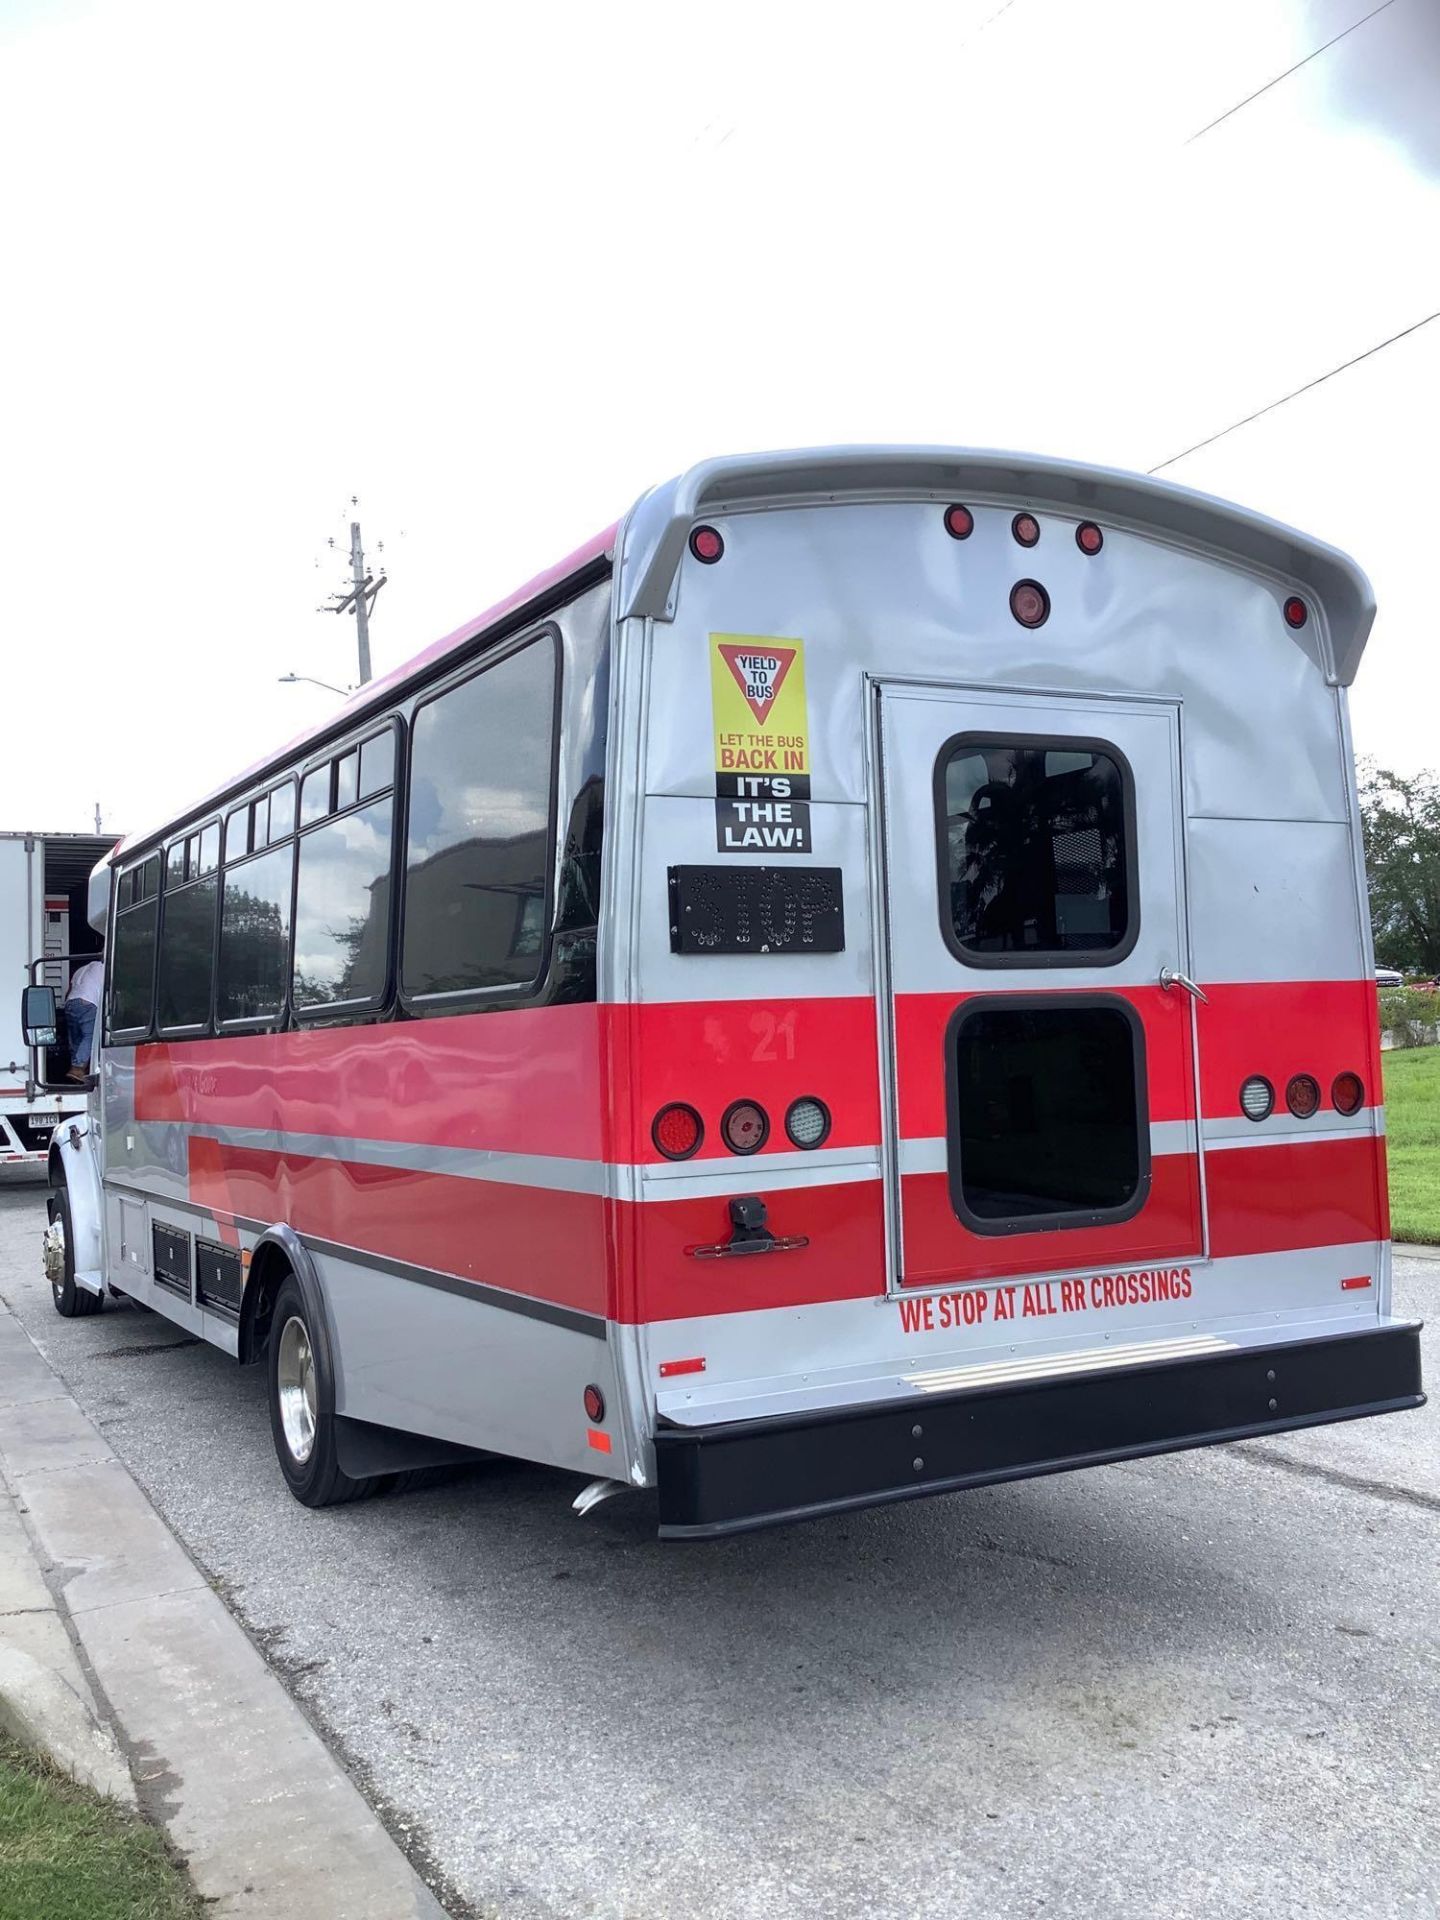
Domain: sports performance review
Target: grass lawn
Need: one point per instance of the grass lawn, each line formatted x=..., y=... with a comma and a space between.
x=66, y=1854
x=1412, y=1128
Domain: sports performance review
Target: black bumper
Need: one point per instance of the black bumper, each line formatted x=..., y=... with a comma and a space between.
x=759, y=1473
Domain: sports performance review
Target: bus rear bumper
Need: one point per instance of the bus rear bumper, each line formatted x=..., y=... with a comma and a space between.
x=743, y=1474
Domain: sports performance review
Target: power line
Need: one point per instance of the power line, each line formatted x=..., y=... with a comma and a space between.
x=1318, y=381
x=1289, y=70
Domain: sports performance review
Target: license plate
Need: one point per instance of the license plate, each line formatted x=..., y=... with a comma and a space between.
x=38, y=1121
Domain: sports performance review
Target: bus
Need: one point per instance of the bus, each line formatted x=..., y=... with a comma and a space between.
x=855, y=984
x=45, y=933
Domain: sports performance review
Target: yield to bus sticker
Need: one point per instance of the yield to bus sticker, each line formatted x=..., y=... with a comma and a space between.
x=762, y=744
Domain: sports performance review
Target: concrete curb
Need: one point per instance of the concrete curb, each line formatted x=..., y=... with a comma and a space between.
x=1416, y=1250
x=45, y=1698
x=114, y=1648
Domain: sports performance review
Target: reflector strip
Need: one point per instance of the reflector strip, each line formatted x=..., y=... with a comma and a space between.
x=1048, y=1366
x=669, y=1368
x=599, y=1441
x=1360, y=1281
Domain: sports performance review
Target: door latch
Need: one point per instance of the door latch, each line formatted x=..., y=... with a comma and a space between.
x=1172, y=977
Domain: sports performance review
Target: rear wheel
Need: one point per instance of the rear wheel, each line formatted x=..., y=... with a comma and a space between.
x=302, y=1406
x=73, y=1301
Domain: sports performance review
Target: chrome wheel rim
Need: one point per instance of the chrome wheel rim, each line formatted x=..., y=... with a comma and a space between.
x=55, y=1255
x=295, y=1379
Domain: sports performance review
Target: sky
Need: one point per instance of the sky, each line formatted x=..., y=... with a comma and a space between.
x=496, y=269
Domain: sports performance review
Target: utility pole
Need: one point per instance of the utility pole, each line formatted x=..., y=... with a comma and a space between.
x=97, y=817
x=362, y=603
x=364, y=588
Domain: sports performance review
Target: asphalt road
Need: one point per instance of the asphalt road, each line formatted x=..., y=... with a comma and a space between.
x=1207, y=1684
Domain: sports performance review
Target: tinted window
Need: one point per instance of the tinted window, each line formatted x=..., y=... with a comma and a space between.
x=1037, y=846
x=255, y=937
x=282, y=812
x=377, y=765
x=1046, y=1122
x=347, y=780
x=187, y=953
x=237, y=834
x=210, y=849
x=132, y=964
x=175, y=865
x=315, y=794
x=479, y=833
x=342, y=909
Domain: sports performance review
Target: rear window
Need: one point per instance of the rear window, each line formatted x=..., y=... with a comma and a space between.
x=1037, y=851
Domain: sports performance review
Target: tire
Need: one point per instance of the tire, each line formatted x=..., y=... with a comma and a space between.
x=302, y=1405
x=72, y=1301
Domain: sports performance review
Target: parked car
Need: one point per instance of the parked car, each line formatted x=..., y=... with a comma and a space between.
x=1388, y=977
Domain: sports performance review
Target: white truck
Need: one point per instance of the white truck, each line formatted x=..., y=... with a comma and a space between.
x=43, y=933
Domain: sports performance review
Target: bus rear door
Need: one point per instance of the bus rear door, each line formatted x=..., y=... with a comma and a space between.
x=1043, y=1115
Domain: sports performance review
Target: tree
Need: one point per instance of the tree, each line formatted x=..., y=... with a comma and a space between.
x=1402, y=858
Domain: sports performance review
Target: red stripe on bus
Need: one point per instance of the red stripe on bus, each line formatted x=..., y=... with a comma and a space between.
x=528, y=1080
x=1280, y=1028
x=709, y=1053
x=523, y=1240
x=938, y=1247
x=1306, y=1193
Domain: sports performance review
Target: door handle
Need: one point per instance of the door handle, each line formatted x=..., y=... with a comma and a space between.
x=1172, y=977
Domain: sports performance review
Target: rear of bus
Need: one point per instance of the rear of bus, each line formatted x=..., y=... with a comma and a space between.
x=1003, y=1072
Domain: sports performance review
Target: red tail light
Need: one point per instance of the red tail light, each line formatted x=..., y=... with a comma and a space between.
x=959, y=522
x=1302, y=1096
x=1088, y=537
x=1296, y=611
x=706, y=545
x=1347, y=1092
x=594, y=1404
x=677, y=1131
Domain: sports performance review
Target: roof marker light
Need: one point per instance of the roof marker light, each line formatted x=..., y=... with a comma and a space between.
x=706, y=545
x=1296, y=611
x=959, y=522
x=1088, y=537
x=1030, y=603
x=1026, y=529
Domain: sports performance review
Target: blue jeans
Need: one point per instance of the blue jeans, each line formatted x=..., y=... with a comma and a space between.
x=80, y=1031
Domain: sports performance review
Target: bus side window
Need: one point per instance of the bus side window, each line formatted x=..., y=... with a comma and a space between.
x=481, y=829
x=342, y=910
x=132, y=963
x=187, y=954
x=255, y=937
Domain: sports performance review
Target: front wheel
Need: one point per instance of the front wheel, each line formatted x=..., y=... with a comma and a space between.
x=302, y=1406
x=72, y=1301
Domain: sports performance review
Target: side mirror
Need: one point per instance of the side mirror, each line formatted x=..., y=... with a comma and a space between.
x=38, y=1016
